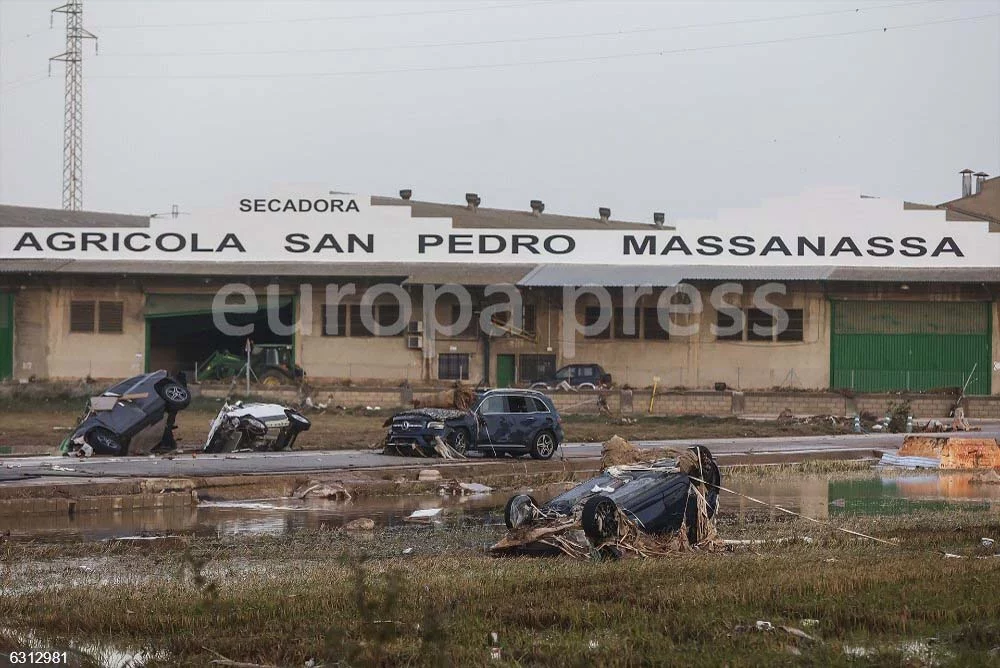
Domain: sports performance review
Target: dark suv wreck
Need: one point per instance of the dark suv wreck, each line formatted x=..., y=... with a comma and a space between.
x=112, y=420
x=657, y=498
x=499, y=421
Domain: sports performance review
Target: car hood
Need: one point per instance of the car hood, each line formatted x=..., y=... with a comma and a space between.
x=433, y=413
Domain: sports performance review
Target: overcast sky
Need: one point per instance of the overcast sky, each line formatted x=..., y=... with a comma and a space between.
x=323, y=92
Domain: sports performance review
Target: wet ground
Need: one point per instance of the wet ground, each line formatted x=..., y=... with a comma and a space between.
x=816, y=496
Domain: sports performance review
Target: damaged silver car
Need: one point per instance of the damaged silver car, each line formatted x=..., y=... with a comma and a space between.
x=256, y=427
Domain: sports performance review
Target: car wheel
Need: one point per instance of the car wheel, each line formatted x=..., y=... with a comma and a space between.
x=586, y=386
x=600, y=519
x=272, y=379
x=520, y=510
x=544, y=446
x=176, y=396
x=105, y=442
x=460, y=441
x=539, y=386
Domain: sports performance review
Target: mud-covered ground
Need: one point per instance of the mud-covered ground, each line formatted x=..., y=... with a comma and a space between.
x=36, y=425
x=433, y=595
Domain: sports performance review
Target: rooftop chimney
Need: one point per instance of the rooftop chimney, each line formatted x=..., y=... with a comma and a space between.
x=605, y=214
x=472, y=200
x=537, y=207
x=405, y=194
x=980, y=178
x=966, y=182
x=659, y=218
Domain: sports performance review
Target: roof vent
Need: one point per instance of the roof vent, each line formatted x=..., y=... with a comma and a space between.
x=537, y=207
x=605, y=214
x=659, y=218
x=966, y=182
x=405, y=194
x=980, y=178
x=472, y=200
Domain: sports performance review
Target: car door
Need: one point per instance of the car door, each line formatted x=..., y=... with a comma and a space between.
x=521, y=412
x=496, y=421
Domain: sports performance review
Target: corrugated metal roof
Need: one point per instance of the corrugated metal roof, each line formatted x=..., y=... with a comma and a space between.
x=619, y=275
x=917, y=274
x=607, y=275
x=483, y=217
x=467, y=274
x=30, y=216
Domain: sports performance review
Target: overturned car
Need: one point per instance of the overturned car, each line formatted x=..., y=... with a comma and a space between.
x=643, y=508
x=112, y=421
x=255, y=427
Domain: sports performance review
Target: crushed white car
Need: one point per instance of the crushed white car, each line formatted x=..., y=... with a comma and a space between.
x=255, y=427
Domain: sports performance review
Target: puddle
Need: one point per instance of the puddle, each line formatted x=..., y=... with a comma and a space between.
x=814, y=496
x=887, y=494
x=257, y=516
x=73, y=653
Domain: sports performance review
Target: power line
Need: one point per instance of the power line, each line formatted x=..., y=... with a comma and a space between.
x=554, y=61
x=523, y=40
x=355, y=17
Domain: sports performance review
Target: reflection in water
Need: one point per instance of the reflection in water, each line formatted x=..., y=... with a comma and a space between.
x=814, y=496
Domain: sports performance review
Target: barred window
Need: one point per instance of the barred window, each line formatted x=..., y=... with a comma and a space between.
x=82, y=316
x=591, y=315
x=619, y=317
x=795, y=331
x=453, y=366
x=338, y=328
x=110, y=317
x=652, y=329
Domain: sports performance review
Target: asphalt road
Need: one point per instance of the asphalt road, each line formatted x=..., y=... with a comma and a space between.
x=19, y=470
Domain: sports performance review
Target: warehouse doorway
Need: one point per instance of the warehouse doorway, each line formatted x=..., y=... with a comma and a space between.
x=181, y=333
x=880, y=346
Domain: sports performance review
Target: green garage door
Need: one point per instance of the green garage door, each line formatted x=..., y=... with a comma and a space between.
x=6, y=335
x=878, y=346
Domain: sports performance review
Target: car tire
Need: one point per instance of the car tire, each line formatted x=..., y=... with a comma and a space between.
x=105, y=442
x=600, y=519
x=272, y=379
x=176, y=396
x=544, y=445
x=586, y=386
x=540, y=386
x=519, y=510
x=460, y=440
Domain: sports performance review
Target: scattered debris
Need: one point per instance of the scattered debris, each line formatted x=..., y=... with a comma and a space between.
x=945, y=453
x=323, y=490
x=360, y=524
x=408, y=550
x=429, y=475
x=84, y=451
x=460, y=397
x=456, y=488
x=423, y=516
x=987, y=542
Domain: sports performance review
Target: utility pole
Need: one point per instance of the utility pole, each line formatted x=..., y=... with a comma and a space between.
x=72, y=189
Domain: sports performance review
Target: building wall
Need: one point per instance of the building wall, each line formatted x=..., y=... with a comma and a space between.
x=78, y=355
x=699, y=360
x=31, y=341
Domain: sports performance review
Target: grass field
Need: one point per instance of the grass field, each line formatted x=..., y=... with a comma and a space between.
x=40, y=423
x=346, y=600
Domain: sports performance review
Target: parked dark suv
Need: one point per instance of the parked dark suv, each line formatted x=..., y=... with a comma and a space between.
x=580, y=376
x=500, y=421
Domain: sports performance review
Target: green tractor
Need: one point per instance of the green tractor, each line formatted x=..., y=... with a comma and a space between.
x=270, y=364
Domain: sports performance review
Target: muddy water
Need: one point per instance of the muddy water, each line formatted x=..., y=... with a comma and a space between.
x=814, y=496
